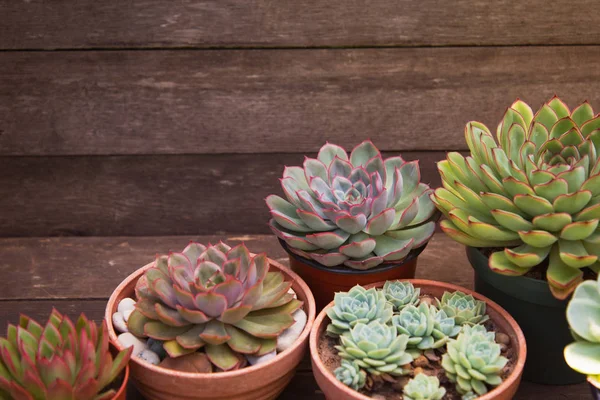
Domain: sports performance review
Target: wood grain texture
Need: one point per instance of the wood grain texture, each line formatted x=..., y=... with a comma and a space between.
x=90, y=268
x=263, y=101
x=148, y=195
x=51, y=24
x=78, y=268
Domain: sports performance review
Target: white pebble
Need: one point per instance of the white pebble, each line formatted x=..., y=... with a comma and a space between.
x=253, y=360
x=119, y=322
x=126, y=304
x=292, y=292
x=289, y=336
x=127, y=340
x=126, y=314
x=149, y=356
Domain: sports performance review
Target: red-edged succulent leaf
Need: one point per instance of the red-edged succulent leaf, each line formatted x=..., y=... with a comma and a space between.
x=214, y=333
x=222, y=356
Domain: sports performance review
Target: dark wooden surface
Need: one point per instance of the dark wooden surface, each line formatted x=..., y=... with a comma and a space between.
x=78, y=275
x=270, y=101
x=148, y=195
x=50, y=24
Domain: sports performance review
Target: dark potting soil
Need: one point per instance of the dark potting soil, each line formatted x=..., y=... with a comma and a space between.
x=387, y=387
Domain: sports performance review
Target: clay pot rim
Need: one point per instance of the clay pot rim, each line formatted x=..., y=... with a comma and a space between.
x=309, y=308
x=383, y=267
x=121, y=392
x=352, y=394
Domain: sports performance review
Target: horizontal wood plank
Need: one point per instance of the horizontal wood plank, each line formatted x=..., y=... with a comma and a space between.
x=148, y=195
x=269, y=101
x=90, y=268
x=52, y=24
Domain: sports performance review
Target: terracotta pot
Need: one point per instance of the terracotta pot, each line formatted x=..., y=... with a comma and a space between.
x=326, y=281
x=122, y=392
x=334, y=390
x=258, y=382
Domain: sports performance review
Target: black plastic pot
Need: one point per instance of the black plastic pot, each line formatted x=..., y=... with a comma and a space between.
x=595, y=392
x=541, y=317
x=325, y=281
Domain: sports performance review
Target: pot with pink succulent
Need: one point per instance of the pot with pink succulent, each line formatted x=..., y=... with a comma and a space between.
x=212, y=322
x=354, y=218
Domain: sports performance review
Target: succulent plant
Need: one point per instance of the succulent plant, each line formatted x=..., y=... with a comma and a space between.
x=419, y=323
x=535, y=192
x=445, y=326
x=357, y=305
x=582, y=314
x=469, y=396
x=351, y=375
x=401, y=294
x=60, y=360
x=375, y=347
x=423, y=387
x=464, y=308
x=473, y=360
x=218, y=298
x=358, y=210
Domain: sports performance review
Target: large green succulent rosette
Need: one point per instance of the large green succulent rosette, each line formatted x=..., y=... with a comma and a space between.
x=355, y=209
x=533, y=191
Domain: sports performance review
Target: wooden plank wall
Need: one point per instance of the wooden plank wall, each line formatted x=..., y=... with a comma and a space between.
x=155, y=117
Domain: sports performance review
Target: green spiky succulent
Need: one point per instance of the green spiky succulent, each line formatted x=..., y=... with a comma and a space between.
x=60, y=360
x=351, y=375
x=358, y=210
x=375, y=347
x=401, y=294
x=583, y=315
x=357, y=305
x=464, y=308
x=423, y=387
x=419, y=323
x=534, y=192
x=218, y=298
x=473, y=360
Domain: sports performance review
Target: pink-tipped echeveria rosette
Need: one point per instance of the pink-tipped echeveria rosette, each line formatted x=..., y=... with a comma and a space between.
x=358, y=210
x=532, y=194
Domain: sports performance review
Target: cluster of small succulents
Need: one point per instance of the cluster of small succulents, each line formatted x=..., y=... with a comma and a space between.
x=583, y=355
x=60, y=360
x=354, y=209
x=219, y=300
x=384, y=331
x=535, y=192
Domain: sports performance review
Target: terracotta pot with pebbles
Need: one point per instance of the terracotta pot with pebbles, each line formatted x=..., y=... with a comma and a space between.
x=352, y=218
x=416, y=339
x=212, y=323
